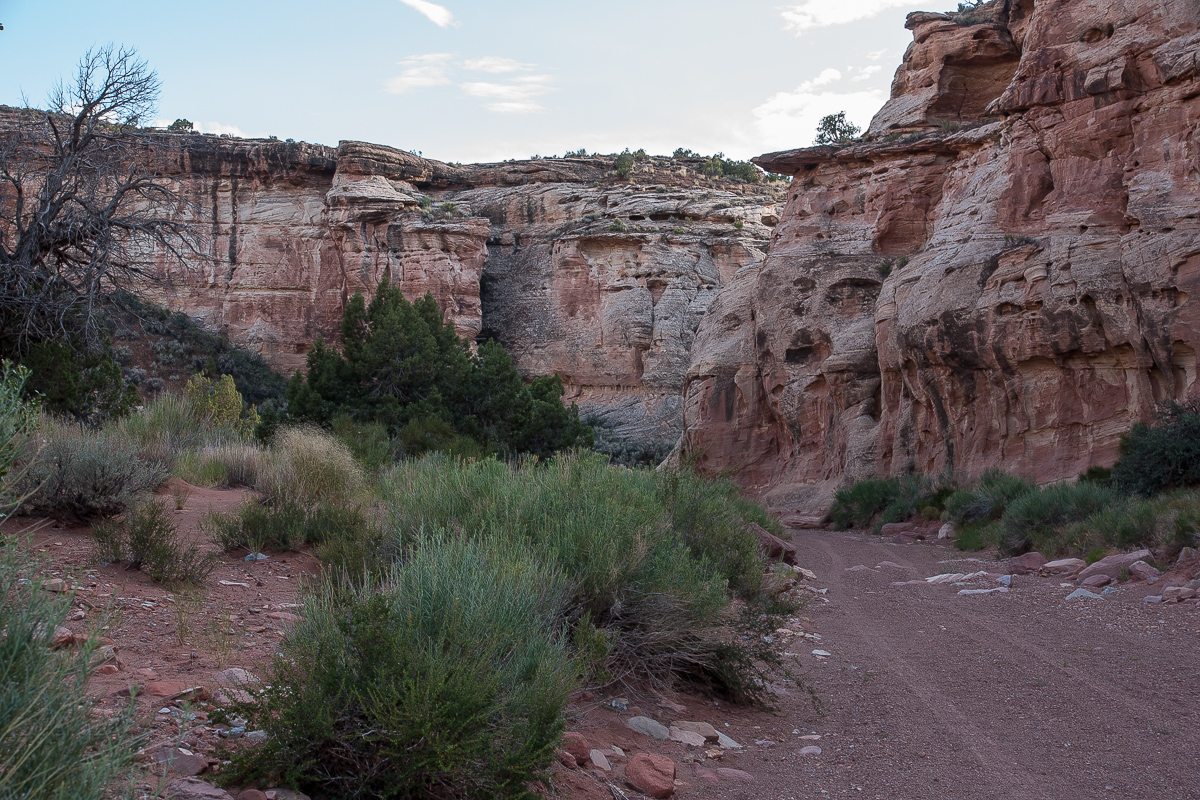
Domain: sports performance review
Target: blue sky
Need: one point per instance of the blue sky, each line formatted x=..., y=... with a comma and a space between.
x=469, y=80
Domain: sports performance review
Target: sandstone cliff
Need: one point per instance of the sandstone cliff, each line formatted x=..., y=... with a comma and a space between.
x=999, y=274
x=579, y=272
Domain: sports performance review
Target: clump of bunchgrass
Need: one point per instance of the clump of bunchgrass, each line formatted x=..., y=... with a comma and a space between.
x=307, y=466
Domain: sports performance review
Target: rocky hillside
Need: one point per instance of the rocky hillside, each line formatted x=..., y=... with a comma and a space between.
x=998, y=274
x=578, y=270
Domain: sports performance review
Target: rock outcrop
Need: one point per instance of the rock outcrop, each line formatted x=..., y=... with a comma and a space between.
x=999, y=274
x=578, y=272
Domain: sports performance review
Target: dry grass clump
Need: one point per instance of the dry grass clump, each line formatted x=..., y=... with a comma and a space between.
x=306, y=466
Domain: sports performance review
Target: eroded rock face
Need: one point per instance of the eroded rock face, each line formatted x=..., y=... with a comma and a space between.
x=600, y=280
x=1015, y=293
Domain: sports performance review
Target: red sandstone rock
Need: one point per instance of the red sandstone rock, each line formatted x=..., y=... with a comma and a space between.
x=1026, y=562
x=773, y=547
x=577, y=745
x=651, y=774
x=1013, y=294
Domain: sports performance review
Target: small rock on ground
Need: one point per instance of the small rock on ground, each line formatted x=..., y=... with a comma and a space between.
x=811, y=750
x=195, y=789
x=726, y=742
x=251, y=794
x=648, y=727
x=730, y=774
x=702, y=728
x=1063, y=566
x=599, y=760
x=690, y=738
x=1084, y=594
x=577, y=745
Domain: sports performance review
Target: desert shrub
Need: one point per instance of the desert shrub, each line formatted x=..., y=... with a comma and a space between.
x=856, y=505
x=836, y=129
x=893, y=499
x=288, y=526
x=1162, y=456
x=650, y=580
x=83, y=473
x=1127, y=524
x=147, y=540
x=219, y=405
x=306, y=466
x=1037, y=519
x=975, y=510
x=628, y=452
x=623, y=164
x=444, y=679
x=368, y=441
x=51, y=745
x=19, y=419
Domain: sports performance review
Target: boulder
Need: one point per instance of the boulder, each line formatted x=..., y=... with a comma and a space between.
x=251, y=794
x=946, y=531
x=237, y=677
x=730, y=774
x=652, y=775
x=599, y=760
x=1113, y=565
x=1096, y=580
x=1063, y=566
x=566, y=759
x=577, y=745
x=648, y=727
x=189, y=765
x=1140, y=570
x=727, y=743
x=690, y=738
x=1026, y=562
x=773, y=547
x=1173, y=594
x=897, y=528
x=1187, y=554
x=285, y=794
x=195, y=789
x=703, y=728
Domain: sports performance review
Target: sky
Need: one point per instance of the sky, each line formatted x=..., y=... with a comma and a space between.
x=486, y=80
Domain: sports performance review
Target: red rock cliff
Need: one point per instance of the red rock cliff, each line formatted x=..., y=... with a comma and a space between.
x=1001, y=273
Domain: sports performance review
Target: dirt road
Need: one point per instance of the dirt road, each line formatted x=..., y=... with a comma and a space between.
x=928, y=694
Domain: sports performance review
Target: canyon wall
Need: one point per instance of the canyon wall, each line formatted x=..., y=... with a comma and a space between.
x=1000, y=273
x=577, y=271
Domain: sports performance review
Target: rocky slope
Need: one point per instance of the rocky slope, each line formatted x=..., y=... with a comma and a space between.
x=577, y=271
x=999, y=274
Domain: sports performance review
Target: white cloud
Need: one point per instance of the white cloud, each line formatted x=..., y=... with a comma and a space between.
x=789, y=119
x=866, y=72
x=515, y=97
x=217, y=127
x=496, y=65
x=438, y=15
x=875, y=55
x=823, y=13
x=421, y=72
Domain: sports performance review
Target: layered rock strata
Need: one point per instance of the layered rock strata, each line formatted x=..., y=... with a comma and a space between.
x=600, y=279
x=1000, y=274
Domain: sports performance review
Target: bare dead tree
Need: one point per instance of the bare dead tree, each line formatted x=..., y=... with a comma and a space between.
x=84, y=214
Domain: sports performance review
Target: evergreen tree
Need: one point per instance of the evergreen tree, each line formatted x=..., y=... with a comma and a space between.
x=403, y=365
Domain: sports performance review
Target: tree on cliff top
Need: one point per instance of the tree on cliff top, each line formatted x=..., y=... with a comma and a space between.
x=83, y=214
x=836, y=129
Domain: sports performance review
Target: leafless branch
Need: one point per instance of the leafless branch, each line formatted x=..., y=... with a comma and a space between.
x=84, y=212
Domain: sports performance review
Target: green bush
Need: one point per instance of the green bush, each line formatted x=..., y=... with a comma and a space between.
x=975, y=510
x=403, y=365
x=647, y=557
x=147, y=540
x=623, y=165
x=893, y=499
x=1038, y=519
x=74, y=382
x=51, y=745
x=627, y=452
x=82, y=473
x=289, y=526
x=368, y=441
x=444, y=679
x=1165, y=455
